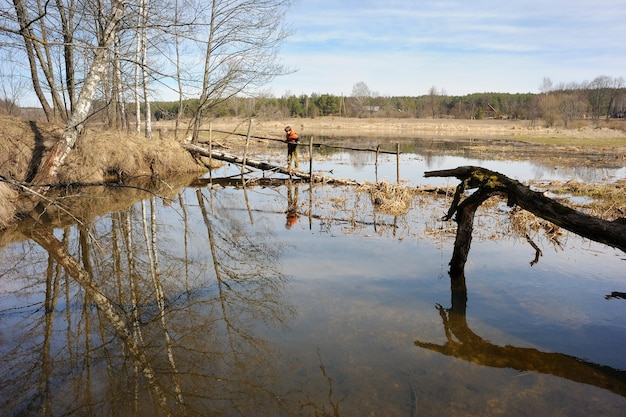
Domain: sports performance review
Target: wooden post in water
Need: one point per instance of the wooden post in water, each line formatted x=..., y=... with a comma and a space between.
x=311, y=160
x=311, y=183
x=311, y=205
x=210, y=145
x=376, y=166
x=398, y=163
x=245, y=150
x=243, y=168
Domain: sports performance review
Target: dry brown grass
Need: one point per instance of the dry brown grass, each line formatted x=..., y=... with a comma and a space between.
x=97, y=154
x=525, y=224
x=25, y=144
x=100, y=153
x=403, y=127
x=21, y=143
x=616, y=124
x=606, y=201
x=393, y=199
x=7, y=208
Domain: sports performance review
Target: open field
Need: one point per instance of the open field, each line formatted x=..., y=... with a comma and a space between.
x=612, y=133
x=585, y=145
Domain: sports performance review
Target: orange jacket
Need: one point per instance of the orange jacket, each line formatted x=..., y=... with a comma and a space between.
x=292, y=136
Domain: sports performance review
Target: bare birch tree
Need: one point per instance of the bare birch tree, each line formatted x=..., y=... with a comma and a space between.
x=79, y=112
x=181, y=96
x=72, y=65
x=240, y=50
x=144, y=64
x=141, y=70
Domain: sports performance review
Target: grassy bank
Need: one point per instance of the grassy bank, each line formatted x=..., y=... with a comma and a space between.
x=99, y=156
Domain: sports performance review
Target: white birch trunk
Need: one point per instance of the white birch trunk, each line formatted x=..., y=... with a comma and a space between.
x=144, y=62
x=74, y=125
x=138, y=69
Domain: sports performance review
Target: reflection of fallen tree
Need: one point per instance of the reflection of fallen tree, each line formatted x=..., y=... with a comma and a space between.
x=464, y=344
x=489, y=183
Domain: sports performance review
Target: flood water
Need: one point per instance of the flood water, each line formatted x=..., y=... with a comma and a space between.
x=306, y=301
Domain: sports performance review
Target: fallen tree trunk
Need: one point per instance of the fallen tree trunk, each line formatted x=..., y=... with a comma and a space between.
x=489, y=183
x=264, y=166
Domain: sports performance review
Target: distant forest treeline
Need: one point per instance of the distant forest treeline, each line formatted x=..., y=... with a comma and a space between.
x=605, y=97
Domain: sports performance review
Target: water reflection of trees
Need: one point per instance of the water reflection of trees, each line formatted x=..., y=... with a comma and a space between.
x=131, y=319
x=129, y=324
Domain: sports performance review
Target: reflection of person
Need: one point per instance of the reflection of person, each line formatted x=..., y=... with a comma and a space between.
x=291, y=137
x=292, y=206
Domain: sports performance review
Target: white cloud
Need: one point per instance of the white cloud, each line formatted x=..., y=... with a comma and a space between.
x=404, y=47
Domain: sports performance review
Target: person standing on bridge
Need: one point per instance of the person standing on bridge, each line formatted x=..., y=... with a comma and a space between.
x=292, y=139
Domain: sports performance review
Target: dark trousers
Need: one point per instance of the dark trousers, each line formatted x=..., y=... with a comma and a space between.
x=292, y=154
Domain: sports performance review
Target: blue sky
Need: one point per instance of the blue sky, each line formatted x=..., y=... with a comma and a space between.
x=405, y=47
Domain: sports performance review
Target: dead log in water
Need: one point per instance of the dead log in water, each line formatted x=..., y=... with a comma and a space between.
x=489, y=183
x=264, y=166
